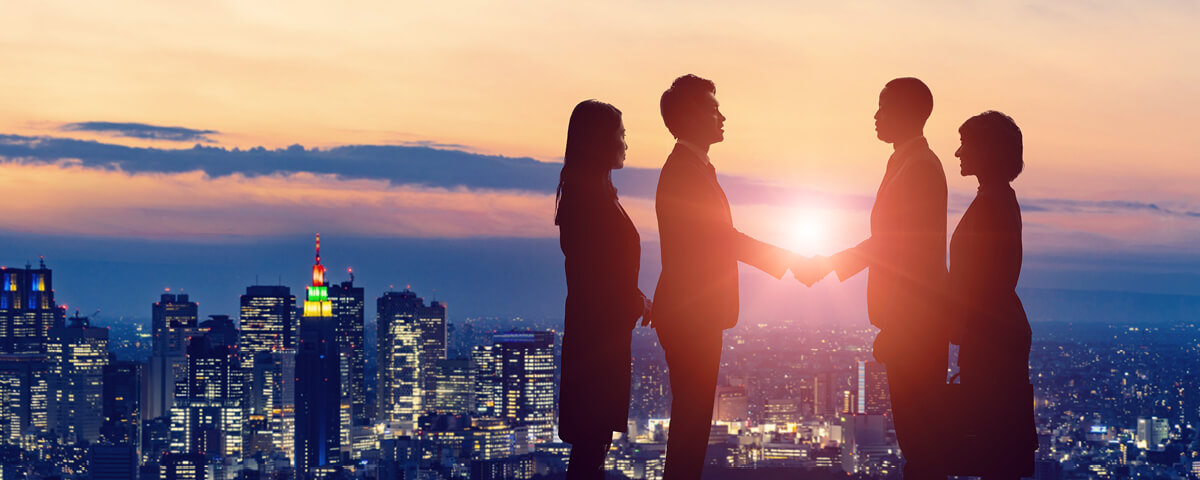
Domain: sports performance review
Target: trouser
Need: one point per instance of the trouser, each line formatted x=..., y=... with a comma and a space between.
x=693, y=360
x=587, y=459
x=915, y=375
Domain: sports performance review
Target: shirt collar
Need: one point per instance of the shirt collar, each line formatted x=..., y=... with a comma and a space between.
x=700, y=153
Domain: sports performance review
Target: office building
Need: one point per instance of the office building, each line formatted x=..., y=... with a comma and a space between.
x=318, y=382
x=411, y=342
x=27, y=309
x=174, y=318
x=77, y=354
x=515, y=382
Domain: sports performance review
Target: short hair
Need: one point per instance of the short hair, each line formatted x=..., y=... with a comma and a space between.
x=997, y=134
x=913, y=96
x=678, y=101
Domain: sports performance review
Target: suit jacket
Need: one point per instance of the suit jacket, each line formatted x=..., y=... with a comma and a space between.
x=906, y=252
x=985, y=263
x=602, y=253
x=698, y=287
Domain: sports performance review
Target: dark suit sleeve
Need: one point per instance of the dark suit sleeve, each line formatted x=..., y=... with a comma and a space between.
x=680, y=212
x=910, y=242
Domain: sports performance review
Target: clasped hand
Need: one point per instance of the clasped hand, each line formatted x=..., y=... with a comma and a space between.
x=810, y=270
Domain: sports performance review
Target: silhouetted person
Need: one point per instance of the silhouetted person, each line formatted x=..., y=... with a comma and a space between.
x=988, y=320
x=697, y=294
x=603, y=253
x=906, y=255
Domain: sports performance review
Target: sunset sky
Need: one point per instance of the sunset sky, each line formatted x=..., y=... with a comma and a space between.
x=1107, y=94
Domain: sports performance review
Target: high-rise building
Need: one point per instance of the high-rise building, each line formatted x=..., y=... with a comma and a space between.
x=825, y=394
x=174, y=319
x=347, y=303
x=27, y=309
x=208, y=415
x=318, y=381
x=24, y=395
x=873, y=397
x=453, y=388
x=267, y=321
x=411, y=341
x=77, y=354
x=515, y=381
x=124, y=395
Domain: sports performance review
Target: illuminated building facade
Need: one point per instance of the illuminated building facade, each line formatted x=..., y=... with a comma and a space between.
x=208, y=416
x=77, y=354
x=873, y=389
x=24, y=395
x=347, y=303
x=318, y=381
x=27, y=309
x=453, y=389
x=174, y=318
x=266, y=320
x=516, y=376
x=412, y=339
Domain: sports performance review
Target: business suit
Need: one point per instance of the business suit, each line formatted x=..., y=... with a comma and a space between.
x=994, y=334
x=602, y=253
x=697, y=295
x=906, y=255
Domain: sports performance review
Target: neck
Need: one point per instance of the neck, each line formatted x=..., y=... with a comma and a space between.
x=990, y=182
x=908, y=137
x=702, y=146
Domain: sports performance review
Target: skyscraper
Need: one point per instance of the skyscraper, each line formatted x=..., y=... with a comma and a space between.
x=208, y=415
x=77, y=354
x=266, y=321
x=347, y=303
x=318, y=381
x=124, y=397
x=412, y=339
x=873, y=389
x=515, y=378
x=452, y=392
x=24, y=395
x=174, y=318
x=27, y=309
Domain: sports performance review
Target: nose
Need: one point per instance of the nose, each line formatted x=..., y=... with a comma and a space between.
x=877, y=114
x=958, y=152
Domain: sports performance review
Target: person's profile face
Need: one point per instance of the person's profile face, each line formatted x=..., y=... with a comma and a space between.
x=620, y=146
x=887, y=118
x=708, y=124
x=968, y=156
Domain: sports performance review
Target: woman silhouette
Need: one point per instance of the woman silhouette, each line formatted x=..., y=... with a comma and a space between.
x=603, y=253
x=992, y=329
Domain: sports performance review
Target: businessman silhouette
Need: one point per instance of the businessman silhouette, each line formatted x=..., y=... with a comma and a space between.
x=697, y=293
x=906, y=255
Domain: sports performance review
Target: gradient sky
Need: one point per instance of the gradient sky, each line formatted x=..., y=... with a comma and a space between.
x=1107, y=94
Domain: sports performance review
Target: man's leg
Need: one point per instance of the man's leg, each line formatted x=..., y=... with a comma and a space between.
x=693, y=360
x=914, y=382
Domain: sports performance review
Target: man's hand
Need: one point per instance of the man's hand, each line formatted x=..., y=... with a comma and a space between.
x=810, y=270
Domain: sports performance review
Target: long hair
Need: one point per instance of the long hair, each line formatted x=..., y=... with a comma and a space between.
x=591, y=137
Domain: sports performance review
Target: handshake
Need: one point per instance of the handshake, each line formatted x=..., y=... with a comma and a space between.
x=810, y=270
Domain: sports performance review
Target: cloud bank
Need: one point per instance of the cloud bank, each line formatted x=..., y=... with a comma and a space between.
x=143, y=131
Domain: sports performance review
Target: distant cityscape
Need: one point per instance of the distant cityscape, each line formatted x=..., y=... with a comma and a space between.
x=305, y=388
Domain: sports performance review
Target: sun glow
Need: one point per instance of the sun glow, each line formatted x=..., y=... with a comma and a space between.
x=808, y=232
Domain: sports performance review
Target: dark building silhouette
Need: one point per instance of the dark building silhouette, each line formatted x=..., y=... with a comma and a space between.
x=318, y=382
x=347, y=302
x=27, y=309
x=77, y=355
x=124, y=397
x=112, y=462
x=174, y=318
